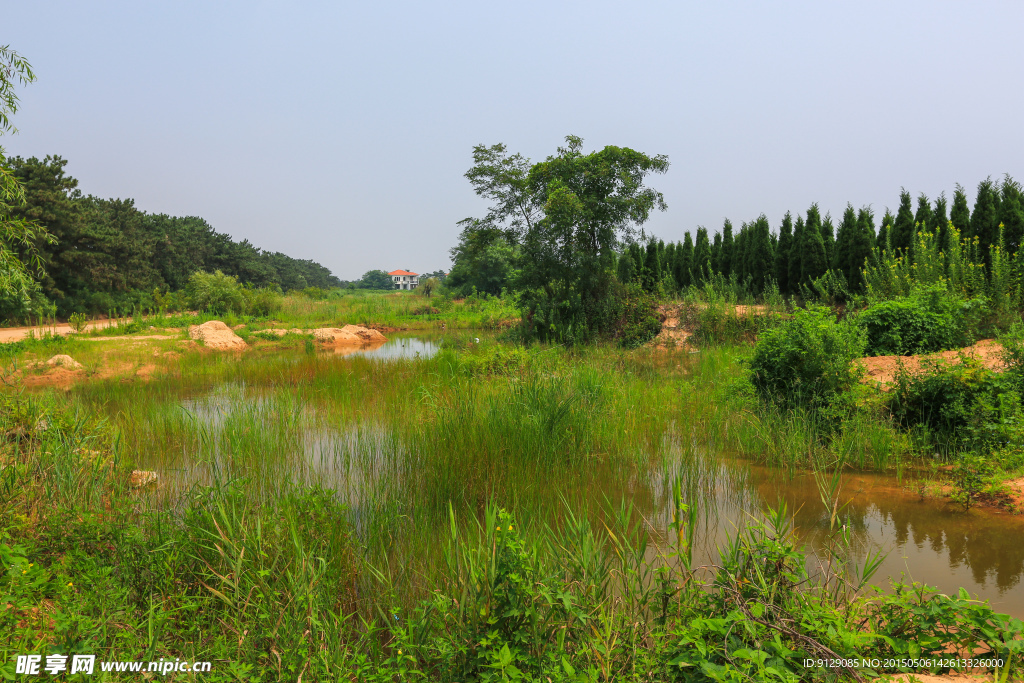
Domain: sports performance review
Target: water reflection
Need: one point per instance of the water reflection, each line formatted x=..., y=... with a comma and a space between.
x=927, y=539
x=396, y=348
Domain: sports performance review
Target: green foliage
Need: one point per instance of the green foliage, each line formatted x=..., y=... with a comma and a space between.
x=108, y=251
x=960, y=407
x=20, y=239
x=929, y=320
x=641, y=320
x=483, y=259
x=807, y=360
x=219, y=294
x=376, y=279
x=78, y=321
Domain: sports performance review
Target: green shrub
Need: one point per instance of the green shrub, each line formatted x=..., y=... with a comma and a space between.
x=262, y=302
x=641, y=321
x=807, y=360
x=929, y=320
x=214, y=292
x=961, y=407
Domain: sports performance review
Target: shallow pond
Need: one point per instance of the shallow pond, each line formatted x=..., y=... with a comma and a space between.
x=926, y=539
x=395, y=348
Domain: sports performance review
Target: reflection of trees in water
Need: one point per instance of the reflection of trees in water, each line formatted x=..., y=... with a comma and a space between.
x=986, y=543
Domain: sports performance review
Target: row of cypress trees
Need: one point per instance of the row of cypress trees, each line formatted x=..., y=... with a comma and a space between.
x=804, y=249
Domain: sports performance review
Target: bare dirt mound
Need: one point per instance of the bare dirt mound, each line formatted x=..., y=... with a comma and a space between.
x=672, y=334
x=350, y=334
x=64, y=361
x=216, y=335
x=883, y=369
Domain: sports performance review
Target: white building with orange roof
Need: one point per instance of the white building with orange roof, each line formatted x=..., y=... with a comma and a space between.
x=404, y=279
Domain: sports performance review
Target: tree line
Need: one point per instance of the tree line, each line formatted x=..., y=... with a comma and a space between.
x=805, y=248
x=107, y=255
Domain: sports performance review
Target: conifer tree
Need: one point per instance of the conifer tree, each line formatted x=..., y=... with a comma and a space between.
x=1011, y=214
x=651, y=272
x=686, y=262
x=860, y=249
x=637, y=252
x=783, y=253
x=985, y=217
x=903, y=227
x=960, y=214
x=716, y=253
x=668, y=260
x=626, y=268
x=844, y=261
x=741, y=253
x=923, y=219
x=796, y=261
x=728, y=245
x=762, y=259
x=883, y=239
x=940, y=219
x=828, y=237
x=701, y=256
x=813, y=259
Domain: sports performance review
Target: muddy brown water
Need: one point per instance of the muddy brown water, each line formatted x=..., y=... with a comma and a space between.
x=927, y=539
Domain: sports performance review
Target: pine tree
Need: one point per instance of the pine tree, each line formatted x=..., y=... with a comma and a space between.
x=783, y=253
x=668, y=260
x=923, y=218
x=883, y=240
x=903, y=227
x=813, y=259
x=844, y=261
x=716, y=253
x=960, y=214
x=651, y=272
x=828, y=237
x=701, y=256
x=762, y=259
x=1011, y=214
x=985, y=217
x=860, y=248
x=796, y=262
x=940, y=219
x=626, y=269
x=686, y=262
x=728, y=245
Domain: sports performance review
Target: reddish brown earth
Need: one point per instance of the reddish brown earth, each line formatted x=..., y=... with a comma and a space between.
x=883, y=369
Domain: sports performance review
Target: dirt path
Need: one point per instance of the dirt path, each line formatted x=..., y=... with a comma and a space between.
x=13, y=334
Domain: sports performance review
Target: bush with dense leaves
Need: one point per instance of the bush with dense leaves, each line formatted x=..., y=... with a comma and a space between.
x=807, y=360
x=929, y=320
x=220, y=293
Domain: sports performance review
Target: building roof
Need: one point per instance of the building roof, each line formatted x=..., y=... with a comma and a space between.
x=401, y=272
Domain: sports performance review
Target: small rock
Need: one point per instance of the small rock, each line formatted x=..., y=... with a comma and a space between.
x=142, y=478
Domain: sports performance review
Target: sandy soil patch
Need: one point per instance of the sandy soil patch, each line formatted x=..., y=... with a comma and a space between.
x=133, y=337
x=218, y=336
x=12, y=334
x=883, y=369
x=348, y=335
x=672, y=335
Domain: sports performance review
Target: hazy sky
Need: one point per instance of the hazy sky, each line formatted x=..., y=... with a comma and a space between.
x=340, y=131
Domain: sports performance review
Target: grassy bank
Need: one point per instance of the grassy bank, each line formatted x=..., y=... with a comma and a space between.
x=490, y=513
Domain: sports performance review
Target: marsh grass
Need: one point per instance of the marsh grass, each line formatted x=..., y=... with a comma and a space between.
x=488, y=513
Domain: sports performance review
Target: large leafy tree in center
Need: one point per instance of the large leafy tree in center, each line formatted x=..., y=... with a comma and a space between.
x=568, y=214
x=589, y=203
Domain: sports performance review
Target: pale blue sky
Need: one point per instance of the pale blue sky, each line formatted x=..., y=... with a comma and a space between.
x=340, y=131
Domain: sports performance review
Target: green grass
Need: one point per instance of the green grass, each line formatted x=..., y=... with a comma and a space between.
x=490, y=513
